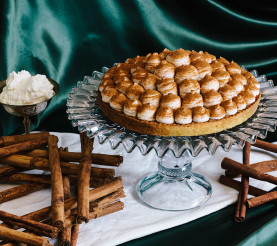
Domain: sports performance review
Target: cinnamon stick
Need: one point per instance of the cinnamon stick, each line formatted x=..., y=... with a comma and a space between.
x=24, y=146
x=21, y=190
x=94, y=181
x=263, y=167
x=64, y=237
x=74, y=234
x=9, y=140
x=28, y=162
x=24, y=177
x=71, y=203
x=103, y=201
x=266, y=146
x=256, y=201
x=237, y=167
x=4, y=170
x=83, y=179
x=46, y=179
x=113, y=197
x=31, y=225
x=23, y=237
x=105, y=210
x=57, y=200
x=100, y=159
x=237, y=184
x=66, y=187
x=243, y=192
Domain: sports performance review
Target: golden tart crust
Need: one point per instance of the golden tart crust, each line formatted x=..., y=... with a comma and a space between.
x=155, y=96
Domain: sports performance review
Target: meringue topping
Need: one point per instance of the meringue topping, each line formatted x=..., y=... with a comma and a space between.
x=154, y=59
x=200, y=114
x=131, y=106
x=122, y=73
x=253, y=81
x=208, y=83
x=233, y=68
x=230, y=107
x=138, y=60
x=227, y=92
x=247, y=74
x=150, y=81
x=183, y=115
x=217, y=112
x=216, y=65
x=188, y=86
x=240, y=102
x=165, y=70
x=139, y=74
x=117, y=101
x=134, y=91
x=164, y=53
x=107, y=93
x=192, y=100
x=195, y=56
x=123, y=85
x=248, y=96
x=208, y=57
x=111, y=72
x=179, y=57
x=124, y=66
x=165, y=115
x=212, y=98
x=252, y=89
x=237, y=85
x=167, y=86
x=203, y=68
x=147, y=112
x=151, y=96
x=222, y=76
x=152, y=62
x=171, y=100
x=239, y=77
x=185, y=72
x=223, y=60
x=106, y=83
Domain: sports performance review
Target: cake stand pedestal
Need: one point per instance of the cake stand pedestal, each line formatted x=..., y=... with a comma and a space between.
x=174, y=186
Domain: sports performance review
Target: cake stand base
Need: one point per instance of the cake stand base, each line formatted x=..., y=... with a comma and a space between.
x=174, y=187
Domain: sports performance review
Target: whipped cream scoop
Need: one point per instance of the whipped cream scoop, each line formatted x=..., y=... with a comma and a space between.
x=24, y=89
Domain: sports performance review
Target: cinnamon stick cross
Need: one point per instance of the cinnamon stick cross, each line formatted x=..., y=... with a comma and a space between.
x=20, y=153
x=256, y=171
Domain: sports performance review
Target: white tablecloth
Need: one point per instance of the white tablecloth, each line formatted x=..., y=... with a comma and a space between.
x=136, y=219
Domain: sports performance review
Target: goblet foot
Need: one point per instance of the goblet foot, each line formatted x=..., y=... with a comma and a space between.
x=174, y=188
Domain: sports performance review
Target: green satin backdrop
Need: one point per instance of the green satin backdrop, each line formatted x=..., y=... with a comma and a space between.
x=68, y=39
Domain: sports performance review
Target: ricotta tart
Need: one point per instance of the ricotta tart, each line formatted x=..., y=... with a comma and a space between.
x=178, y=93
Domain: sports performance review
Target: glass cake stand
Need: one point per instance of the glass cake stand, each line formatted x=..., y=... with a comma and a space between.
x=174, y=186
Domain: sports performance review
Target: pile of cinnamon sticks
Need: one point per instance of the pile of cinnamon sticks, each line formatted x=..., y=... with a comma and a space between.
x=72, y=201
x=258, y=171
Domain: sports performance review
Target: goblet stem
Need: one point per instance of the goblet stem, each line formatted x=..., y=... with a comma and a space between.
x=27, y=124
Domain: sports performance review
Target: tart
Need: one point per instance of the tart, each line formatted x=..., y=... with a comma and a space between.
x=178, y=93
